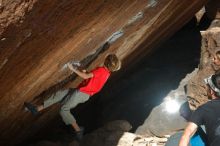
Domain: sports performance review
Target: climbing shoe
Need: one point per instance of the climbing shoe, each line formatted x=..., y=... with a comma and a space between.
x=30, y=107
x=79, y=134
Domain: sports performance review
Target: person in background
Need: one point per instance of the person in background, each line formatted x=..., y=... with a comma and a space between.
x=70, y=98
x=207, y=114
x=216, y=58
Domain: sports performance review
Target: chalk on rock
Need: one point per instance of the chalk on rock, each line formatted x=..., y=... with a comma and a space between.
x=152, y=3
x=75, y=63
x=64, y=67
x=138, y=16
x=115, y=36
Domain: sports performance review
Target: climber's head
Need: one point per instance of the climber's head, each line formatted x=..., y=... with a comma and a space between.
x=213, y=84
x=112, y=62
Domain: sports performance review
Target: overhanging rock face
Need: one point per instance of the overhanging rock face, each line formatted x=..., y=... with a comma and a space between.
x=34, y=51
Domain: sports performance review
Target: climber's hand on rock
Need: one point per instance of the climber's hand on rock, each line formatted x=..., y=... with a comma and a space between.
x=70, y=66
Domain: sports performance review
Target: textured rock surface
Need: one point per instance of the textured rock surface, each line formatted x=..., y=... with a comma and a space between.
x=13, y=12
x=33, y=54
x=210, y=44
x=112, y=134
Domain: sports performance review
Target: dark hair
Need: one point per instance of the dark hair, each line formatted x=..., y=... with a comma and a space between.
x=217, y=54
x=112, y=62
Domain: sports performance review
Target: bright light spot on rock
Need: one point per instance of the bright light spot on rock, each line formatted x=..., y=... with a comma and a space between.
x=172, y=106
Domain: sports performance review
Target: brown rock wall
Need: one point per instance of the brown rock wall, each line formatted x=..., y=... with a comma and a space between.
x=33, y=54
x=13, y=12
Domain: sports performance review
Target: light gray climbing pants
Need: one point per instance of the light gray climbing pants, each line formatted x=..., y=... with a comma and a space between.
x=69, y=99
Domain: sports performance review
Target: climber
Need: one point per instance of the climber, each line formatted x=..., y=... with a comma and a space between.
x=207, y=115
x=70, y=98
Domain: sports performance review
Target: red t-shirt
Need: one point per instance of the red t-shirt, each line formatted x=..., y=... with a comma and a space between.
x=93, y=85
